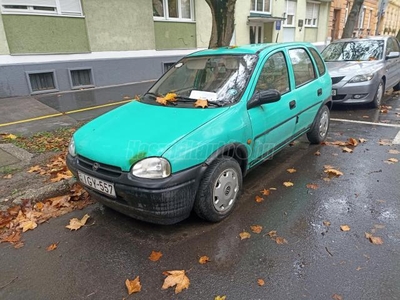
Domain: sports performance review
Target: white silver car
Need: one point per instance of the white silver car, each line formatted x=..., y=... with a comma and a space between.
x=363, y=69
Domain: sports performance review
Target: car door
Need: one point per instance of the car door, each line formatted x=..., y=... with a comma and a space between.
x=308, y=88
x=392, y=64
x=273, y=124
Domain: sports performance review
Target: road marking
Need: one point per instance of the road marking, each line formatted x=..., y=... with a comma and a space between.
x=366, y=123
x=64, y=113
x=396, y=140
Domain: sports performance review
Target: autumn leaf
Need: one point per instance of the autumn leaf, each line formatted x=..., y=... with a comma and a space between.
x=133, y=286
x=326, y=223
x=291, y=170
x=256, y=228
x=260, y=282
x=352, y=142
x=244, y=235
x=392, y=151
x=176, y=278
x=265, y=192
x=33, y=169
x=312, y=186
x=28, y=225
x=61, y=176
x=272, y=233
x=9, y=136
x=375, y=240
x=201, y=103
x=391, y=161
x=259, y=199
x=272, y=189
x=344, y=227
x=8, y=176
x=155, y=256
x=361, y=140
x=347, y=150
x=318, y=153
x=337, y=297
x=288, y=184
x=52, y=247
x=280, y=240
x=204, y=259
x=333, y=172
x=385, y=142
x=75, y=224
x=220, y=298
x=161, y=100
x=171, y=97
x=14, y=237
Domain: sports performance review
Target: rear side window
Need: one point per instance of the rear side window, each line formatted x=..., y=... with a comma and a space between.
x=318, y=60
x=303, y=67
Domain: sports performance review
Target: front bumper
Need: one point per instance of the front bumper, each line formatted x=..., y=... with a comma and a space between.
x=161, y=201
x=345, y=92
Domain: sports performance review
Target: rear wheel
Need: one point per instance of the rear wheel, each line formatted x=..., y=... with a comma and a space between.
x=397, y=87
x=376, y=103
x=319, y=131
x=219, y=190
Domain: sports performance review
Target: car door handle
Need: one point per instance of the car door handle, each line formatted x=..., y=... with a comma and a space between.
x=292, y=104
x=319, y=92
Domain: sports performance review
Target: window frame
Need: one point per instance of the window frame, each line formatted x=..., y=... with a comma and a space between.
x=263, y=11
x=34, y=8
x=166, y=16
x=284, y=23
x=317, y=58
x=314, y=17
x=293, y=69
x=28, y=73
x=77, y=87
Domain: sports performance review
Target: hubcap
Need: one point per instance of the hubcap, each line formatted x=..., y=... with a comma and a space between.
x=225, y=190
x=323, y=124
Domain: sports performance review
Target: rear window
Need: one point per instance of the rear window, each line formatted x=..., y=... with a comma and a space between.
x=319, y=61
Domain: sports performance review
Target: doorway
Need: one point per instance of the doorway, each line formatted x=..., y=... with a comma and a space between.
x=335, y=25
x=256, y=33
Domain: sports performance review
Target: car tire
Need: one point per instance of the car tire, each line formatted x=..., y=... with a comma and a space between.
x=320, y=128
x=397, y=87
x=380, y=91
x=219, y=189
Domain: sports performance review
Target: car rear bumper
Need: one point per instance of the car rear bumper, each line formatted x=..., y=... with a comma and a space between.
x=160, y=201
x=351, y=93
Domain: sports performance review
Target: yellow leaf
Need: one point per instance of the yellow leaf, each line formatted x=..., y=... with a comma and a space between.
x=368, y=235
x=312, y=186
x=204, y=259
x=391, y=160
x=75, y=224
x=9, y=136
x=265, y=192
x=133, y=286
x=8, y=176
x=260, y=282
x=161, y=100
x=333, y=172
x=318, y=153
x=201, y=103
x=259, y=199
x=220, y=298
x=272, y=233
x=256, y=228
x=288, y=184
x=60, y=176
x=155, y=256
x=337, y=297
x=352, y=142
x=176, y=278
x=346, y=149
x=326, y=223
x=244, y=235
x=171, y=97
x=392, y=151
x=280, y=240
x=36, y=168
x=52, y=247
x=291, y=170
x=28, y=225
x=375, y=240
x=344, y=227
x=361, y=140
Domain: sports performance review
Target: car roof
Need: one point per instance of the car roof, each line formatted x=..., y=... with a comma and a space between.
x=247, y=49
x=367, y=38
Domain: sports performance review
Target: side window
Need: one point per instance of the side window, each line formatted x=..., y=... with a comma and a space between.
x=318, y=60
x=394, y=45
x=274, y=74
x=303, y=67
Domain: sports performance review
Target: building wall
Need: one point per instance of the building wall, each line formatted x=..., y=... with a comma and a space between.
x=203, y=24
x=174, y=35
x=3, y=40
x=45, y=34
x=119, y=25
x=242, y=29
x=390, y=22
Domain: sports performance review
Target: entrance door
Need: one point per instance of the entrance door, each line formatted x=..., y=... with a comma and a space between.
x=288, y=34
x=256, y=33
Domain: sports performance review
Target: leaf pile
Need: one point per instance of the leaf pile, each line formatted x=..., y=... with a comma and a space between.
x=56, y=169
x=27, y=216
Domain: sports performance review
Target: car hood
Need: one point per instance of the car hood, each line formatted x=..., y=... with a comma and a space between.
x=137, y=130
x=352, y=68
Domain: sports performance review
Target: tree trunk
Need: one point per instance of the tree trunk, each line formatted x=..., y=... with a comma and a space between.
x=223, y=22
x=352, y=19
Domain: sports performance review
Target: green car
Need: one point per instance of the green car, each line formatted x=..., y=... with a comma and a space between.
x=189, y=141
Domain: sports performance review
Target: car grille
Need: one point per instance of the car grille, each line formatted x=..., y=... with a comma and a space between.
x=338, y=97
x=336, y=79
x=104, y=169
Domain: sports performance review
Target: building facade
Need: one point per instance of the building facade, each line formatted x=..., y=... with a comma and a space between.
x=61, y=45
x=389, y=23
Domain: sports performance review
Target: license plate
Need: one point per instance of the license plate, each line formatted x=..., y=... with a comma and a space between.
x=333, y=92
x=102, y=186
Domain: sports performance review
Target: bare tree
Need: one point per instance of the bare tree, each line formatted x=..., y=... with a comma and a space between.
x=352, y=19
x=223, y=22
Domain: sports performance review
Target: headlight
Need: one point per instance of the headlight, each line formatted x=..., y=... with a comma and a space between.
x=153, y=167
x=71, y=148
x=361, y=78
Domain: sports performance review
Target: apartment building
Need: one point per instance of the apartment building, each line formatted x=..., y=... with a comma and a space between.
x=390, y=17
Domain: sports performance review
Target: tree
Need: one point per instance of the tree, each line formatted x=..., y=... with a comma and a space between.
x=352, y=19
x=223, y=22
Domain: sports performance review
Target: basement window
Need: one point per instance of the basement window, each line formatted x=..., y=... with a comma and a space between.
x=41, y=82
x=81, y=78
x=167, y=66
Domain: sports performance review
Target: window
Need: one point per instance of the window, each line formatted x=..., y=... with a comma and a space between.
x=81, y=78
x=303, y=67
x=361, y=16
x=168, y=65
x=312, y=11
x=318, y=60
x=274, y=74
x=173, y=9
x=43, y=81
x=291, y=7
x=263, y=6
x=40, y=7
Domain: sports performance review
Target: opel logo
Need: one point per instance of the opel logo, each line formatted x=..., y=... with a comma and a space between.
x=95, y=167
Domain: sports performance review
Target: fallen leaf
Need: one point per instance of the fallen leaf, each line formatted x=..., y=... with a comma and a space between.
x=333, y=172
x=9, y=136
x=326, y=179
x=260, y=282
x=288, y=184
x=272, y=189
x=176, y=278
x=337, y=297
x=344, y=227
x=259, y=199
x=256, y=228
x=28, y=225
x=352, y=142
x=8, y=176
x=161, y=100
x=291, y=170
x=272, y=233
x=326, y=223
x=346, y=149
x=220, y=298
x=375, y=240
x=14, y=237
x=392, y=151
x=328, y=167
x=155, y=256
x=52, y=247
x=265, y=192
x=312, y=186
x=318, y=153
x=280, y=240
x=201, y=103
x=75, y=224
x=385, y=142
x=244, y=235
x=171, y=97
x=133, y=286
x=368, y=235
x=361, y=140
x=61, y=176
x=204, y=259
x=391, y=160
x=36, y=168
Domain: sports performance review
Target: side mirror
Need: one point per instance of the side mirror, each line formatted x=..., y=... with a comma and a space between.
x=393, y=54
x=263, y=97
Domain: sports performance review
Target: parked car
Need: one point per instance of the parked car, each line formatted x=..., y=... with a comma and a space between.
x=363, y=69
x=209, y=120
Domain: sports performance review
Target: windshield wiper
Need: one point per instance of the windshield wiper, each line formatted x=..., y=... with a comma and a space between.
x=191, y=100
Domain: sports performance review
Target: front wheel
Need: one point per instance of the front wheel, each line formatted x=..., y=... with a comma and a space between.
x=397, y=87
x=219, y=190
x=380, y=91
x=319, y=131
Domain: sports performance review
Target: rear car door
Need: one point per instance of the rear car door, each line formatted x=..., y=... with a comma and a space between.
x=392, y=64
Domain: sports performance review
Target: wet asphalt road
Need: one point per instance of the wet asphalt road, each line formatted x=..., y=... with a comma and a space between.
x=317, y=262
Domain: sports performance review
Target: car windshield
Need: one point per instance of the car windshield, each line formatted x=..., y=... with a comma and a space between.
x=362, y=50
x=220, y=79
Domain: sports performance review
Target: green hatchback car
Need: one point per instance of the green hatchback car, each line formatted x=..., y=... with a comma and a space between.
x=188, y=142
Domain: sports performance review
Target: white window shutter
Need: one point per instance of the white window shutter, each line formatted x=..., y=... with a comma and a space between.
x=48, y=3
x=291, y=7
x=70, y=7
